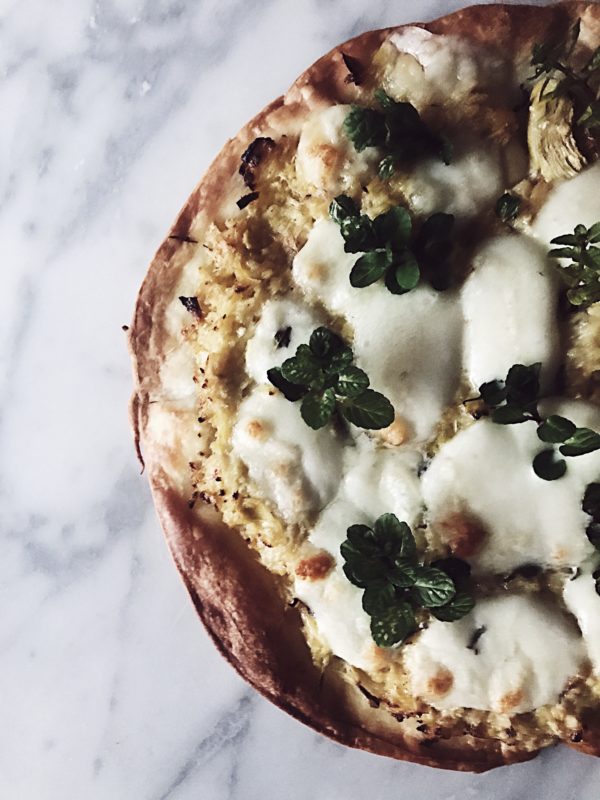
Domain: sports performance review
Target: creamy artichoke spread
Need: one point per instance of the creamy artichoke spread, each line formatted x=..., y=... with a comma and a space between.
x=428, y=352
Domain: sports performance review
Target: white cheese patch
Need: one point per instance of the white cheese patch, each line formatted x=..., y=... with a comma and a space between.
x=583, y=602
x=326, y=158
x=262, y=351
x=525, y=655
x=376, y=480
x=443, y=69
x=295, y=467
x=509, y=304
x=486, y=472
x=573, y=202
x=474, y=179
x=409, y=345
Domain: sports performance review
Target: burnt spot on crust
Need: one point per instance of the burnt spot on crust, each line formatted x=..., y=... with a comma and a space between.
x=315, y=568
x=510, y=701
x=251, y=158
x=355, y=70
x=246, y=200
x=192, y=305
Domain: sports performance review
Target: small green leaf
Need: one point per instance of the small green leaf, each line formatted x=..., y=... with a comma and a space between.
x=593, y=534
x=358, y=234
x=364, y=127
x=563, y=252
x=403, y=574
x=581, y=442
x=460, y=605
x=342, y=207
x=508, y=207
x=363, y=573
x=393, y=227
x=393, y=626
x=369, y=268
x=394, y=537
x=591, y=500
x=352, y=382
x=493, y=392
x=339, y=360
x=302, y=369
x=568, y=238
x=317, y=409
x=324, y=343
x=523, y=384
x=362, y=538
x=509, y=415
x=406, y=271
x=386, y=168
x=378, y=598
x=369, y=410
x=556, y=429
x=290, y=391
x=548, y=466
x=432, y=587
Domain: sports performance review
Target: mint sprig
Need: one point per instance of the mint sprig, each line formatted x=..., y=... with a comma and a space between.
x=591, y=505
x=515, y=400
x=582, y=275
x=321, y=374
x=383, y=561
x=390, y=249
x=398, y=130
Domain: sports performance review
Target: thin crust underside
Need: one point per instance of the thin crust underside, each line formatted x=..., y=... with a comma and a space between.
x=223, y=574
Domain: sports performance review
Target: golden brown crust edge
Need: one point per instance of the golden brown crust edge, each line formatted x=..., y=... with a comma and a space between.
x=223, y=576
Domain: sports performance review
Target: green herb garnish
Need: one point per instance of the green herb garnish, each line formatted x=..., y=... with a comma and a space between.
x=591, y=506
x=507, y=207
x=390, y=250
x=383, y=561
x=582, y=275
x=322, y=375
x=515, y=400
x=581, y=86
x=398, y=130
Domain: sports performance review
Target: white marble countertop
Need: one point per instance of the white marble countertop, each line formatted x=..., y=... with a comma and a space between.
x=110, y=688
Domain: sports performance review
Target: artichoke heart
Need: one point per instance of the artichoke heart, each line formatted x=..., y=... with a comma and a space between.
x=552, y=148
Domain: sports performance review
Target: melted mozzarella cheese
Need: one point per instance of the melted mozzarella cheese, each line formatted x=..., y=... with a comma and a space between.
x=485, y=471
x=375, y=480
x=295, y=467
x=441, y=69
x=509, y=304
x=262, y=351
x=521, y=660
x=396, y=338
x=583, y=601
x=571, y=203
x=473, y=180
x=326, y=158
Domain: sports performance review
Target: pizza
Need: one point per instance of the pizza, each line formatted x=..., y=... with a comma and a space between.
x=367, y=390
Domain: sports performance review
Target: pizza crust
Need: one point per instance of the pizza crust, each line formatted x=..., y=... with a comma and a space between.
x=264, y=641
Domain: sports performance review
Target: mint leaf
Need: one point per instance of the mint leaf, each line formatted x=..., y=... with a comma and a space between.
x=591, y=500
x=493, y=392
x=370, y=268
x=523, y=384
x=365, y=128
x=369, y=410
x=358, y=234
x=509, y=415
x=460, y=605
x=324, y=343
x=378, y=598
x=507, y=207
x=407, y=272
x=581, y=442
x=290, y=391
x=302, y=369
x=394, y=538
x=394, y=625
x=555, y=429
x=352, y=382
x=593, y=534
x=343, y=207
x=432, y=587
x=317, y=409
x=393, y=227
x=548, y=466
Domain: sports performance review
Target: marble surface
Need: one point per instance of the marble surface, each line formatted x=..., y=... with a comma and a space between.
x=110, y=688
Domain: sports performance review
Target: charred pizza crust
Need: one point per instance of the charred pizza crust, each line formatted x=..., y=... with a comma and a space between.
x=224, y=576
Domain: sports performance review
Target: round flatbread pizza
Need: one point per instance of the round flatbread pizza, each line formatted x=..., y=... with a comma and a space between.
x=367, y=390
